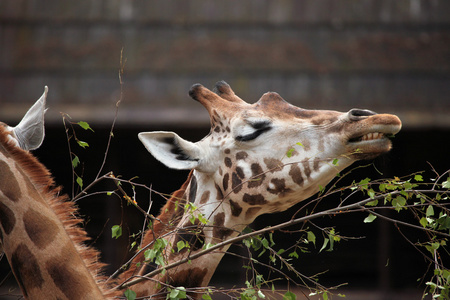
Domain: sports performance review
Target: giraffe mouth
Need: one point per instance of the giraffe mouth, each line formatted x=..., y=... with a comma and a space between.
x=370, y=137
x=374, y=141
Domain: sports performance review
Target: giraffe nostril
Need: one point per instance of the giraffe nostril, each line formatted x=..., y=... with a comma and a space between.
x=358, y=114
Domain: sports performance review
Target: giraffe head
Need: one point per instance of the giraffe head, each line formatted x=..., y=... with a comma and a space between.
x=267, y=156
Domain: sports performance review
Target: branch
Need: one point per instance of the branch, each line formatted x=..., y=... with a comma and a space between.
x=245, y=236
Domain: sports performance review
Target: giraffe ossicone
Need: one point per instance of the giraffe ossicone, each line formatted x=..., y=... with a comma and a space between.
x=258, y=158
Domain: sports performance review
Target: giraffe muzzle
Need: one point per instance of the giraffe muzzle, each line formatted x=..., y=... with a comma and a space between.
x=372, y=133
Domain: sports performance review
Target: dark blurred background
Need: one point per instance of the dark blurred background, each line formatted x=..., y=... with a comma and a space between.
x=387, y=56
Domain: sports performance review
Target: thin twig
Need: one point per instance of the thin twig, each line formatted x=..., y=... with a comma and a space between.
x=111, y=132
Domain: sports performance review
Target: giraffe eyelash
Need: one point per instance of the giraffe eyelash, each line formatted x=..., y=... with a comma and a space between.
x=260, y=127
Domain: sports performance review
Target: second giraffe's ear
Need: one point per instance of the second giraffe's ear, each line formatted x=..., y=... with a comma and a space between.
x=171, y=150
x=30, y=131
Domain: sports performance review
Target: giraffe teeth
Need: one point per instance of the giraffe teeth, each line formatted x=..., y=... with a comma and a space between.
x=372, y=136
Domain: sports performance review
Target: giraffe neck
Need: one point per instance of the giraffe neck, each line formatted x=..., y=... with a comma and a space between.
x=227, y=212
x=193, y=232
x=39, y=233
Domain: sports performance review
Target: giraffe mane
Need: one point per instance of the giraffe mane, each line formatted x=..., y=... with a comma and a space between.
x=65, y=209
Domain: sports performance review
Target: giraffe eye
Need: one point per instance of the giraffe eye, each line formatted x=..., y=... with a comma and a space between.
x=257, y=128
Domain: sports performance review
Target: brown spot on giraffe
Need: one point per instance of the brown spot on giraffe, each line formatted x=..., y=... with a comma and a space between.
x=205, y=197
x=69, y=280
x=236, y=209
x=317, y=164
x=10, y=187
x=241, y=155
x=225, y=180
x=306, y=168
x=219, y=193
x=228, y=162
x=240, y=172
x=258, y=176
x=236, y=182
x=273, y=164
x=296, y=175
x=220, y=232
x=279, y=187
x=254, y=199
x=7, y=219
x=26, y=269
x=40, y=229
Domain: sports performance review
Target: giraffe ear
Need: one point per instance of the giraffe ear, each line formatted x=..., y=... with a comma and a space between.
x=30, y=131
x=171, y=150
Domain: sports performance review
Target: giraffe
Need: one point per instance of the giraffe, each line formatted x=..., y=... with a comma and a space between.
x=39, y=230
x=257, y=159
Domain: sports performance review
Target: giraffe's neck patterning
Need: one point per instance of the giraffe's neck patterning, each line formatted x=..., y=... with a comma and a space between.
x=38, y=229
x=258, y=158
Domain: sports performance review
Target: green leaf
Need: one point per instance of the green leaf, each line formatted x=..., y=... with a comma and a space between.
x=272, y=243
x=370, y=218
x=130, y=295
x=311, y=237
x=423, y=221
x=75, y=161
x=432, y=247
x=290, y=152
x=85, y=126
x=399, y=203
x=325, y=243
x=289, y=296
x=418, y=178
x=444, y=222
x=265, y=243
x=82, y=144
x=202, y=219
x=335, y=162
x=149, y=254
x=261, y=294
x=363, y=184
x=116, y=231
x=180, y=245
x=293, y=254
x=300, y=144
x=208, y=245
x=80, y=182
x=321, y=189
x=206, y=297
x=430, y=211
x=177, y=293
x=372, y=203
x=446, y=184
